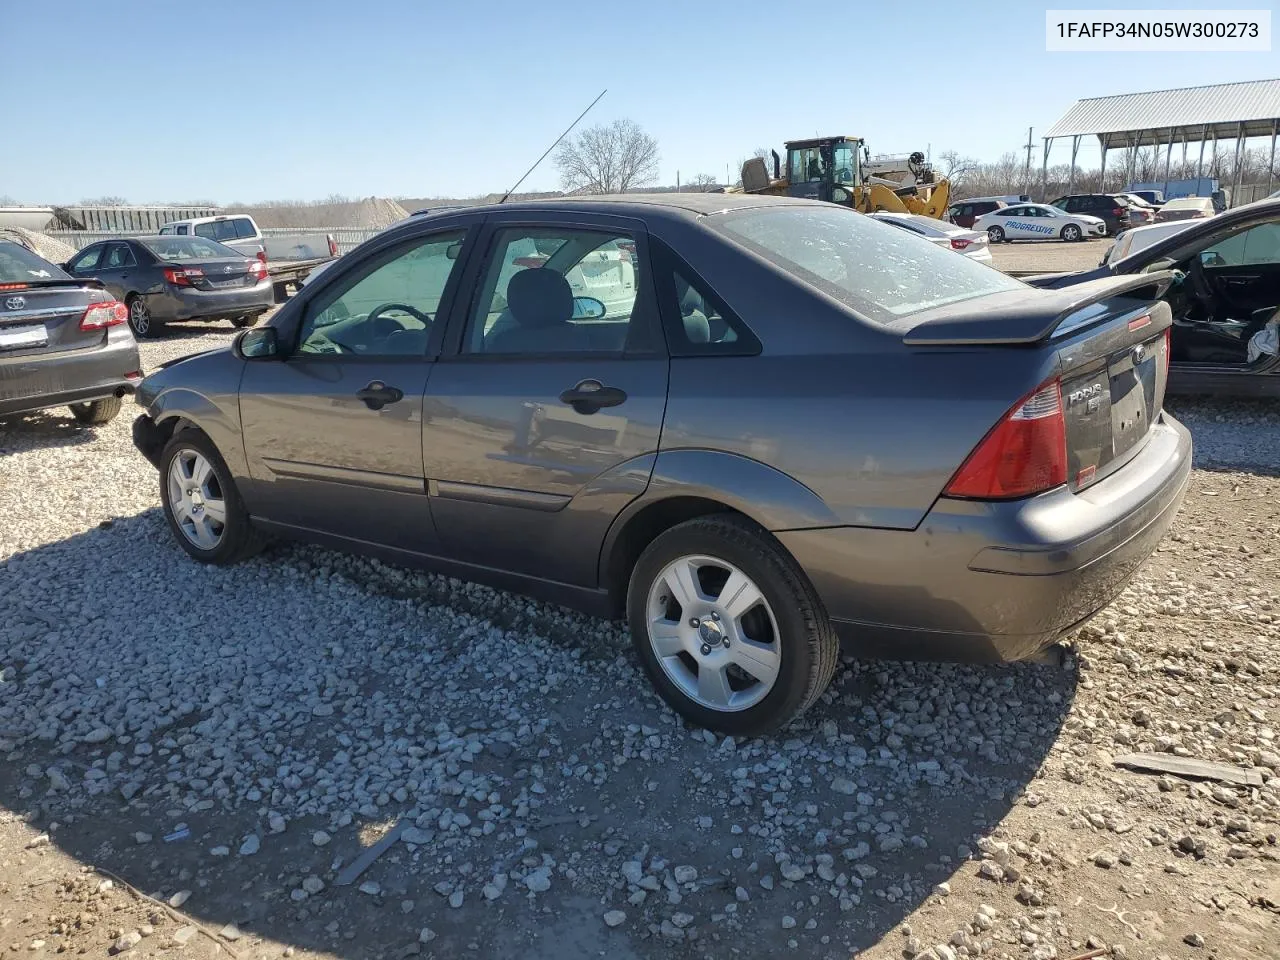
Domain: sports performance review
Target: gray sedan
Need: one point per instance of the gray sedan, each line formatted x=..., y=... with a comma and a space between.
x=808, y=427
x=162, y=279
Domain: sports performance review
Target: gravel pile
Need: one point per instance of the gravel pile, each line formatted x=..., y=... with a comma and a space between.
x=287, y=711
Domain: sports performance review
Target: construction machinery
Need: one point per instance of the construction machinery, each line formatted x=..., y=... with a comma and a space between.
x=840, y=170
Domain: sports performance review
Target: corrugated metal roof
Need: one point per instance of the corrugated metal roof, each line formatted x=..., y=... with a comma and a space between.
x=1141, y=119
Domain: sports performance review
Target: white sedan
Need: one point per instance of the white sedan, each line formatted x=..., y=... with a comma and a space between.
x=970, y=243
x=1038, y=221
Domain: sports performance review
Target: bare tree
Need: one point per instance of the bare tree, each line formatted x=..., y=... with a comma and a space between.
x=609, y=158
x=105, y=202
x=7, y=201
x=703, y=183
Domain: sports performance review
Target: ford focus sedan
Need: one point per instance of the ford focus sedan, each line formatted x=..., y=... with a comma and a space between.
x=805, y=427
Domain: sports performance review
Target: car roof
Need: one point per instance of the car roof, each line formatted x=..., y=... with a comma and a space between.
x=671, y=205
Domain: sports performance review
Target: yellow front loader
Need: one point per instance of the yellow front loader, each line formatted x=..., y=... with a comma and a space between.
x=835, y=169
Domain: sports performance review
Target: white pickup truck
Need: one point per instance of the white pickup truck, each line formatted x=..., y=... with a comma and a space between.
x=289, y=258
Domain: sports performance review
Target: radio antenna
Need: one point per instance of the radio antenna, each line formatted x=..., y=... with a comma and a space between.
x=552, y=147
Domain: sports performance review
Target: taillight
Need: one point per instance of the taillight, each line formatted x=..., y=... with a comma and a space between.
x=13, y=286
x=1025, y=453
x=958, y=244
x=1118, y=211
x=333, y=246
x=262, y=255
x=258, y=270
x=183, y=276
x=99, y=316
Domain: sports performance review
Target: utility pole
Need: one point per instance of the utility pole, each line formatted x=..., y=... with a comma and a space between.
x=1026, y=173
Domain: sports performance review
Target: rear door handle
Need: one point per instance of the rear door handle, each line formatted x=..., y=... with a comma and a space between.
x=377, y=395
x=588, y=396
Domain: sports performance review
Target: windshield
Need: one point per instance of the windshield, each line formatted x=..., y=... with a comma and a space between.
x=878, y=271
x=20, y=265
x=188, y=248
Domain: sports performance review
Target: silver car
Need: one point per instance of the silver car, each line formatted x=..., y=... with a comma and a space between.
x=971, y=243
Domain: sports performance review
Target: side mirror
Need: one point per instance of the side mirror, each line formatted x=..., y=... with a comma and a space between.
x=260, y=343
x=587, y=308
x=453, y=250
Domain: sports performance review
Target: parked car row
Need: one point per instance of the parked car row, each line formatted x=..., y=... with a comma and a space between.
x=806, y=427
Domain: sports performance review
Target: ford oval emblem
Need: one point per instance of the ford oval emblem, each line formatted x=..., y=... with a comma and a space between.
x=15, y=303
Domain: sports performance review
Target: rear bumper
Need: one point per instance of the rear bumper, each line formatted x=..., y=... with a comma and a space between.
x=997, y=581
x=180, y=303
x=40, y=381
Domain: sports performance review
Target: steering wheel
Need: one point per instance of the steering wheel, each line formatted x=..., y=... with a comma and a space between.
x=377, y=313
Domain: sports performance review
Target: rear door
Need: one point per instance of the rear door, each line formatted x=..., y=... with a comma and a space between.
x=333, y=432
x=118, y=264
x=543, y=414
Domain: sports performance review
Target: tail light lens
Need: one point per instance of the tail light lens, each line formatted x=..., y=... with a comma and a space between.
x=1118, y=211
x=257, y=270
x=183, y=276
x=333, y=246
x=958, y=244
x=262, y=255
x=1024, y=454
x=99, y=316
x=13, y=286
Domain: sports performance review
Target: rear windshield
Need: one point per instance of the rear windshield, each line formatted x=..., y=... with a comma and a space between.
x=20, y=265
x=879, y=272
x=225, y=229
x=1187, y=203
x=188, y=248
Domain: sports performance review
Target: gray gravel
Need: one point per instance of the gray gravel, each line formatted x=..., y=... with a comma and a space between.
x=288, y=706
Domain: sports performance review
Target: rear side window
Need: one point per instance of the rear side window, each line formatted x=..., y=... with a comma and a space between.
x=20, y=265
x=119, y=256
x=697, y=321
x=184, y=230
x=877, y=271
x=244, y=228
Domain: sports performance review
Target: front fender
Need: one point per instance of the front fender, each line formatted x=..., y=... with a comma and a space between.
x=217, y=417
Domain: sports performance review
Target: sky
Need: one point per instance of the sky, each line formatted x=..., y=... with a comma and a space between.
x=301, y=99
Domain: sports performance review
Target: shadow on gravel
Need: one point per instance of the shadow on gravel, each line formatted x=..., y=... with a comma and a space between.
x=308, y=690
x=44, y=428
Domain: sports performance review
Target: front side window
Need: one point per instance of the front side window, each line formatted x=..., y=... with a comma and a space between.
x=88, y=260
x=556, y=290
x=388, y=311
x=1259, y=244
x=880, y=274
x=806, y=165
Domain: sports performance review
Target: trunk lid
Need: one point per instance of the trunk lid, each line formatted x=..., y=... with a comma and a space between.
x=216, y=274
x=44, y=317
x=1109, y=338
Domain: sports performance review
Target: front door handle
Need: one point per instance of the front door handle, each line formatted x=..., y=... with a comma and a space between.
x=591, y=395
x=377, y=395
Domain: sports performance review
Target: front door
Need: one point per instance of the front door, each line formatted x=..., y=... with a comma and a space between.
x=543, y=415
x=117, y=265
x=333, y=431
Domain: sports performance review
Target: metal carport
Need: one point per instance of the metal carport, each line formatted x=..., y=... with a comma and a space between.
x=1223, y=111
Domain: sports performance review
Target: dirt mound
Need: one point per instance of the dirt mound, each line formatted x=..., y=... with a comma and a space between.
x=53, y=250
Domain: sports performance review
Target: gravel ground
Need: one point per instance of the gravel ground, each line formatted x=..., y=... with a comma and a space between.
x=1048, y=256
x=281, y=716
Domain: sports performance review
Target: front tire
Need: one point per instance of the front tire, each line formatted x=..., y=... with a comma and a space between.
x=995, y=234
x=728, y=628
x=202, y=504
x=1071, y=233
x=96, y=412
x=143, y=325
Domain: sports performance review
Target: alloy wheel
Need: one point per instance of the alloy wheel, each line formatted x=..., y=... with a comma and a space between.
x=713, y=633
x=196, y=499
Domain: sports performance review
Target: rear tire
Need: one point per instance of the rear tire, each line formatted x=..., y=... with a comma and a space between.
x=143, y=325
x=995, y=234
x=202, y=504
x=773, y=624
x=96, y=412
x=248, y=320
x=1071, y=233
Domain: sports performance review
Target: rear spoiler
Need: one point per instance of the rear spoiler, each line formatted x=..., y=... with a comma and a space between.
x=54, y=282
x=1023, y=317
